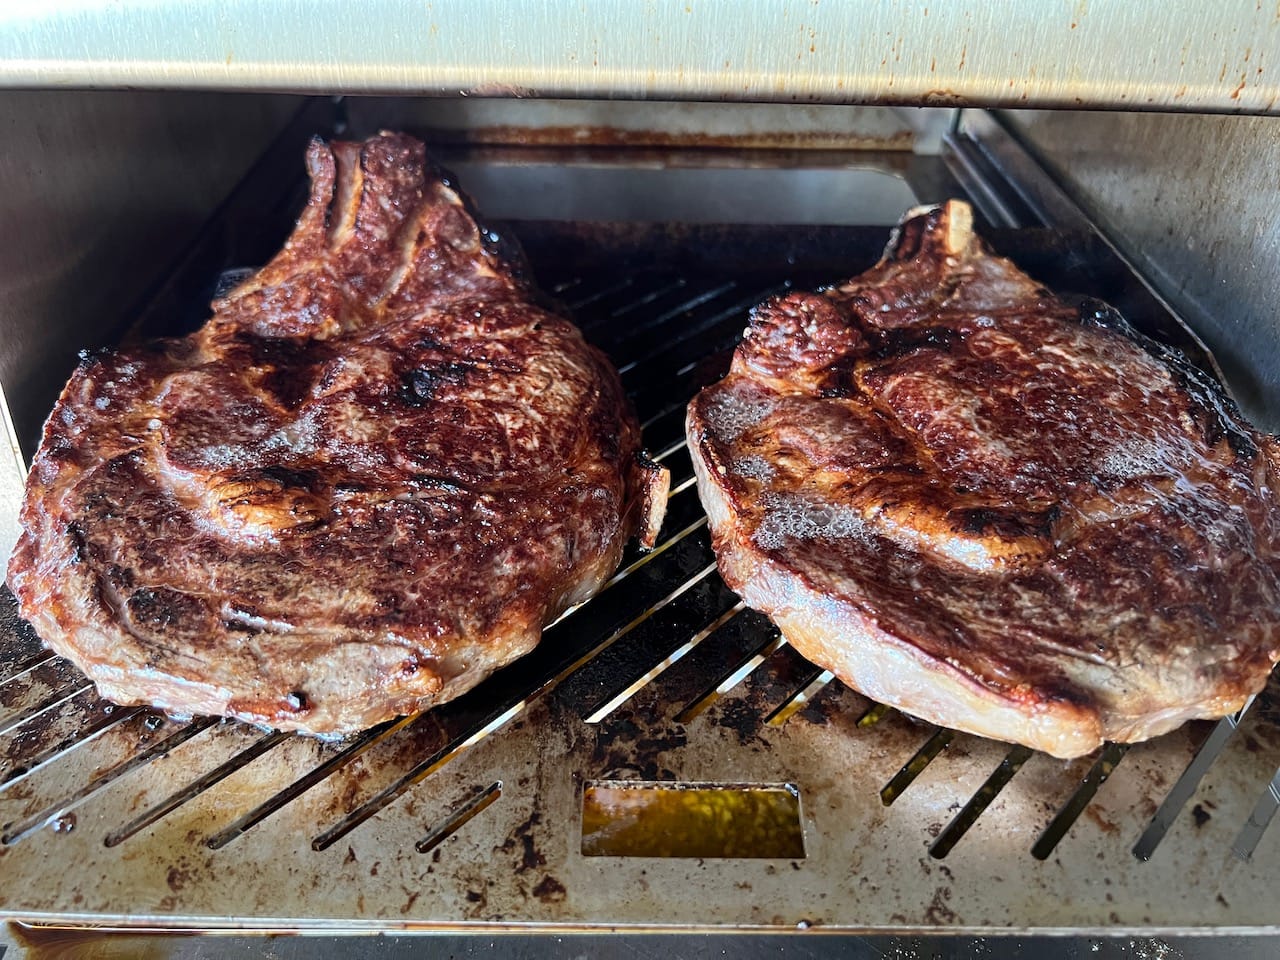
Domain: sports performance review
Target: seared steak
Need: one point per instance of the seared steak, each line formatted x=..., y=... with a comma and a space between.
x=366, y=483
x=992, y=509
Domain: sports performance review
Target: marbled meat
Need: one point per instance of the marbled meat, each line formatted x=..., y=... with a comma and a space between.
x=989, y=507
x=366, y=483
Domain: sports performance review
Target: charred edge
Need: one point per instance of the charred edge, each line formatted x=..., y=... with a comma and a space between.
x=289, y=478
x=910, y=238
x=1008, y=524
x=1215, y=411
x=839, y=380
x=499, y=244
x=418, y=386
x=647, y=463
x=93, y=355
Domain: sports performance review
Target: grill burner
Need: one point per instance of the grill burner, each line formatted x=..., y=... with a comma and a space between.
x=471, y=813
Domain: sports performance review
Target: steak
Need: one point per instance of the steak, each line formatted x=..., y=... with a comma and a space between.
x=366, y=483
x=991, y=508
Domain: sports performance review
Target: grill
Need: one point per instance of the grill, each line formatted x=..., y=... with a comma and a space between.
x=473, y=814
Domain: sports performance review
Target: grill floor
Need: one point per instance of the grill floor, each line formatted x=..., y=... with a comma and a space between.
x=470, y=814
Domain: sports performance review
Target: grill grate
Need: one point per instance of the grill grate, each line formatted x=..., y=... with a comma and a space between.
x=663, y=675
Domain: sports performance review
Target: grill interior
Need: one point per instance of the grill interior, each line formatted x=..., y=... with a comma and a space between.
x=471, y=814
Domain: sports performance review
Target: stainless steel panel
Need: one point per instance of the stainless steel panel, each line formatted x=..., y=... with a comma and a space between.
x=845, y=190
x=653, y=123
x=1194, y=203
x=1060, y=53
x=44, y=943
x=12, y=475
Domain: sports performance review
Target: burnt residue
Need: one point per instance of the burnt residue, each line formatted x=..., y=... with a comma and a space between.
x=522, y=840
x=550, y=890
x=19, y=636
x=824, y=705
x=939, y=911
x=623, y=748
x=742, y=718
x=178, y=876
x=766, y=688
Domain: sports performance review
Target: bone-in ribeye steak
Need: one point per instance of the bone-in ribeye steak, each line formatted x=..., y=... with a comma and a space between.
x=993, y=510
x=366, y=483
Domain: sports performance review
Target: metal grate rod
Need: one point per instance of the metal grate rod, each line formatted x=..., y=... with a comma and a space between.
x=478, y=802
x=892, y=790
x=1186, y=786
x=814, y=683
x=875, y=713
x=736, y=309
x=415, y=776
x=1260, y=817
x=600, y=294
x=23, y=667
x=652, y=554
x=684, y=306
x=730, y=680
x=481, y=728
x=197, y=787
x=978, y=803
x=1102, y=769
x=656, y=293
x=56, y=699
x=302, y=784
x=16, y=831
x=86, y=734
x=665, y=664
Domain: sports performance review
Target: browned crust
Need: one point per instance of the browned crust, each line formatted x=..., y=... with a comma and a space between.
x=1058, y=604
x=363, y=486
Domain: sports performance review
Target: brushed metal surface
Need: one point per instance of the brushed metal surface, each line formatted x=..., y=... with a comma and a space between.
x=656, y=123
x=12, y=476
x=847, y=191
x=1052, y=53
x=41, y=944
x=1194, y=203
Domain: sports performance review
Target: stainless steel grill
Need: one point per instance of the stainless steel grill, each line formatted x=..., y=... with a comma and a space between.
x=471, y=815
